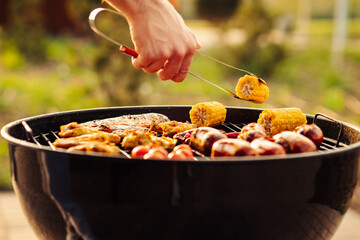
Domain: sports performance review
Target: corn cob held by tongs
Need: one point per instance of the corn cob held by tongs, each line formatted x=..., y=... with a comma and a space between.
x=131, y=52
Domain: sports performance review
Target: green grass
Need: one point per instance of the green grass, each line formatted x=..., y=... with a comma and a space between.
x=5, y=179
x=325, y=28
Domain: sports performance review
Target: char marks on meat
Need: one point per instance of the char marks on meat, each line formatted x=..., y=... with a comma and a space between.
x=138, y=137
x=126, y=122
x=169, y=129
x=94, y=142
x=103, y=135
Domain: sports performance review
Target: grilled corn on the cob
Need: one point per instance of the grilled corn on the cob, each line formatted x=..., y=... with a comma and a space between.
x=281, y=119
x=252, y=89
x=208, y=114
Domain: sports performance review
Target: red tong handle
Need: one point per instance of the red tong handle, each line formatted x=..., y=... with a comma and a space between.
x=128, y=51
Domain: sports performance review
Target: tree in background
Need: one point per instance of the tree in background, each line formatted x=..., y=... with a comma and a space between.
x=53, y=15
x=215, y=10
x=57, y=17
x=257, y=52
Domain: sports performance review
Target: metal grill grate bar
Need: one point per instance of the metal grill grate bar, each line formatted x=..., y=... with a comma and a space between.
x=231, y=127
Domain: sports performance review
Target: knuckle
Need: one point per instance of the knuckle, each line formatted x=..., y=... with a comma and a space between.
x=178, y=78
x=148, y=70
x=184, y=70
x=163, y=75
x=137, y=65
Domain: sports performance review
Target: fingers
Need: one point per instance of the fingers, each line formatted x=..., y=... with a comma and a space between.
x=171, y=66
x=148, y=64
x=183, y=70
x=155, y=66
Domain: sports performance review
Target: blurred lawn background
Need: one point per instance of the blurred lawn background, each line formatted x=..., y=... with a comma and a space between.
x=51, y=61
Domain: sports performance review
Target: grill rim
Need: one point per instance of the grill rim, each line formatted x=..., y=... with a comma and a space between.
x=344, y=148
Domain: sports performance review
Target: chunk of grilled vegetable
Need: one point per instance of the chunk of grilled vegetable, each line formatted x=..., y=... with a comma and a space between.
x=281, y=119
x=208, y=114
x=252, y=89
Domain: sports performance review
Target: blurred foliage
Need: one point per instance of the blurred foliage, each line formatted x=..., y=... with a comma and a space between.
x=217, y=10
x=257, y=53
x=254, y=19
x=5, y=179
x=43, y=72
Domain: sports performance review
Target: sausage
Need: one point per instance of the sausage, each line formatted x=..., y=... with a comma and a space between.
x=313, y=132
x=184, y=137
x=295, y=142
x=232, y=147
x=203, y=138
x=266, y=147
x=252, y=131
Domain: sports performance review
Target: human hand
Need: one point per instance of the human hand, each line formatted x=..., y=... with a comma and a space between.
x=164, y=43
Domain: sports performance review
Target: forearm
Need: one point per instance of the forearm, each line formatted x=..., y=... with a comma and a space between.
x=133, y=9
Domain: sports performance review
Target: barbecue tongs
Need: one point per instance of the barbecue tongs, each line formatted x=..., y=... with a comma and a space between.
x=133, y=53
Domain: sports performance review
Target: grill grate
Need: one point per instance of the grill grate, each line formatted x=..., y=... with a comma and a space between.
x=46, y=139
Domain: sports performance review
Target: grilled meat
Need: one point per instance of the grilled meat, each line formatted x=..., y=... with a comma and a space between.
x=137, y=121
x=295, y=142
x=266, y=147
x=169, y=129
x=252, y=131
x=184, y=137
x=130, y=131
x=232, y=147
x=74, y=129
x=75, y=143
x=95, y=141
x=135, y=138
x=78, y=137
x=140, y=137
x=313, y=132
x=97, y=136
x=95, y=147
x=203, y=138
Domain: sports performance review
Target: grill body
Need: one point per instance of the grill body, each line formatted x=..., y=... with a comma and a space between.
x=70, y=195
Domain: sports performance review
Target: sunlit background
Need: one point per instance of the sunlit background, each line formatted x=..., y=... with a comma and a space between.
x=307, y=51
